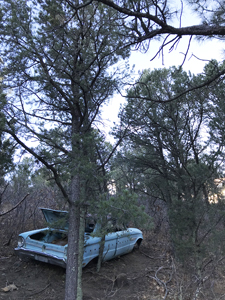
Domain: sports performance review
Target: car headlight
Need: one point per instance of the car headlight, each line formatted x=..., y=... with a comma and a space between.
x=21, y=241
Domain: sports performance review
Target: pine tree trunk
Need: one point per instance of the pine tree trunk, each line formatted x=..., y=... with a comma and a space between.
x=72, y=276
x=100, y=257
x=81, y=251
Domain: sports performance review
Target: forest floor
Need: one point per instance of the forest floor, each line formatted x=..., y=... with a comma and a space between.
x=148, y=273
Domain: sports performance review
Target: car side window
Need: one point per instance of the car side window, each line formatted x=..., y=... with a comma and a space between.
x=113, y=226
x=89, y=225
x=89, y=228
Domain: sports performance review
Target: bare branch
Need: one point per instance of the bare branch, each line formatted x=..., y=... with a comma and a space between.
x=42, y=160
x=8, y=211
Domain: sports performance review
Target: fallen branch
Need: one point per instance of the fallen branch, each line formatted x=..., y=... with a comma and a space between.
x=160, y=282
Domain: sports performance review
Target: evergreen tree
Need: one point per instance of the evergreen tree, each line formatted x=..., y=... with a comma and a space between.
x=7, y=149
x=163, y=22
x=170, y=150
x=58, y=71
x=153, y=20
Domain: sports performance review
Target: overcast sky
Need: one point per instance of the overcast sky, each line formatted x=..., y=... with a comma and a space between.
x=205, y=51
x=199, y=53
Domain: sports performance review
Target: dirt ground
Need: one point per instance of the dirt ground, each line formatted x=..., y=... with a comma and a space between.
x=148, y=273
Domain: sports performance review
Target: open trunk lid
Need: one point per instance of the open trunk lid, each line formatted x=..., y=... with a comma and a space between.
x=57, y=219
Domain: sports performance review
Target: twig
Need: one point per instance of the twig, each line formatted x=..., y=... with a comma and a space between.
x=5, y=257
x=147, y=255
x=39, y=291
x=160, y=282
x=112, y=292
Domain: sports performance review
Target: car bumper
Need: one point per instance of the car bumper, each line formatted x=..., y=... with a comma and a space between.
x=40, y=256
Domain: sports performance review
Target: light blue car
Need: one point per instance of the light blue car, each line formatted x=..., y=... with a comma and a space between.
x=50, y=244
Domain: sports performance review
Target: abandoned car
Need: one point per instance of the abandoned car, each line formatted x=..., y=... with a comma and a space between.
x=50, y=244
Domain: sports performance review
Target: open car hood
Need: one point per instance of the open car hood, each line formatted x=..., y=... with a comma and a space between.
x=56, y=218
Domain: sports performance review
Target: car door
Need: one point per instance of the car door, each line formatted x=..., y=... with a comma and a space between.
x=110, y=246
x=123, y=242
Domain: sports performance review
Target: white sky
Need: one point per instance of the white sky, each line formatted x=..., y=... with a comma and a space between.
x=204, y=50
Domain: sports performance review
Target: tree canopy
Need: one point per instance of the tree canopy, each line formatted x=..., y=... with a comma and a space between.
x=175, y=149
x=61, y=63
x=150, y=19
x=60, y=66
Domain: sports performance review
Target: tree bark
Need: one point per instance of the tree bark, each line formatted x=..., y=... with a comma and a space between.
x=72, y=281
x=81, y=251
x=100, y=257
